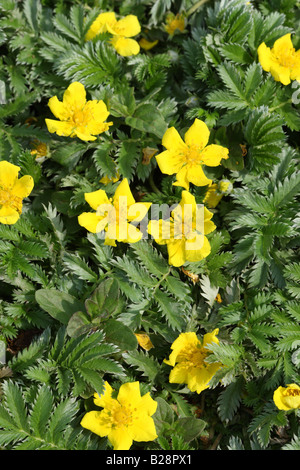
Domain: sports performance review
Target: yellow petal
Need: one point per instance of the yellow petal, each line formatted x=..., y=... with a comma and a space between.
x=58, y=108
x=120, y=438
x=123, y=191
x=169, y=162
x=143, y=429
x=172, y=140
x=128, y=27
x=178, y=374
x=184, y=340
x=196, y=176
x=197, y=135
x=280, y=73
x=283, y=44
x=59, y=127
x=8, y=216
x=125, y=46
x=74, y=96
x=105, y=399
x=182, y=179
x=137, y=211
x=176, y=252
x=100, y=24
x=90, y=221
x=129, y=392
x=278, y=399
x=160, y=230
x=23, y=187
x=144, y=341
x=194, y=255
x=93, y=421
x=83, y=135
x=265, y=57
x=96, y=198
x=209, y=338
x=147, y=45
x=213, y=154
x=8, y=174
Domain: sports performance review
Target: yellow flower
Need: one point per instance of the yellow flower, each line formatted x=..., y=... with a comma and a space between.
x=174, y=23
x=147, y=45
x=105, y=180
x=188, y=359
x=115, y=215
x=186, y=158
x=12, y=192
x=122, y=31
x=78, y=117
x=287, y=398
x=282, y=61
x=124, y=419
x=184, y=233
x=215, y=193
x=40, y=151
x=144, y=341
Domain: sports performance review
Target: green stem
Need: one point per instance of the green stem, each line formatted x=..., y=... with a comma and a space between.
x=153, y=185
x=195, y=7
x=280, y=105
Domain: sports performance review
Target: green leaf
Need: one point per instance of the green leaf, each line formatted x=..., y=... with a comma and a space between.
x=120, y=334
x=147, y=118
x=59, y=305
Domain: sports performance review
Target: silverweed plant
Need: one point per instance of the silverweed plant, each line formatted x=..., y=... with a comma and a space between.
x=149, y=225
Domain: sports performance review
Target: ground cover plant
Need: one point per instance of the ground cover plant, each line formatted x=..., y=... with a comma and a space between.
x=116, y=332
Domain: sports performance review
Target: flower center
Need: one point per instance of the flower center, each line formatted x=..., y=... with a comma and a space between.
x=123, y=415
x=193, y=357
x=287, y=58
x=8, y=199
x=193, y=155
x=292, y=392
x=80, y=118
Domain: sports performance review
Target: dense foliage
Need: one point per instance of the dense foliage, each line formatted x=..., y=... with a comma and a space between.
x=81, y=302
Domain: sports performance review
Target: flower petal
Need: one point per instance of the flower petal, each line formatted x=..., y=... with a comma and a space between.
x=283, y=44
x=105, y=399
x=91, y=221
x=128, y=27
x=197, y=134
x=23, y=187
x=182, y=179
x=193, y=253
x=176, y=252
x=125, y=46
x=96, y=198
x=8, y=216
x=74, y=96
x=280, y=73
x=100, y=24
x=160, y=230
x=60, y=127
x=8, y=174
x=265, y=56
x=213, y=154
x=123, y=191
x=143, y=429
x=196, y=176
x=173, y=141
x=58, y=108
x=169, y=162
x=120, y=438
x=95, y=421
